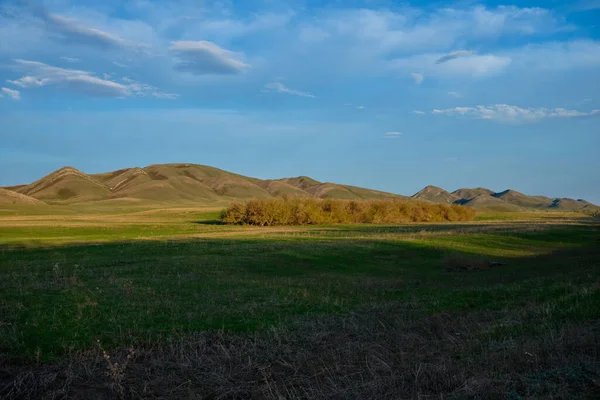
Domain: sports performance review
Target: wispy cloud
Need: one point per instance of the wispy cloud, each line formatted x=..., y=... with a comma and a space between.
x=392, y=135
x=509, y=113
x=70, y=59
x=281, y=88
x=417, y=112
x=74, y=32
x=120, y=65
x=41, y=74
x=13, y=94
x=143, y=89
x=205, y=58
x=455, y=95
x=417, y=77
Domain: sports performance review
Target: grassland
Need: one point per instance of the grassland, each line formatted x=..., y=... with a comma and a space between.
x=506, y=306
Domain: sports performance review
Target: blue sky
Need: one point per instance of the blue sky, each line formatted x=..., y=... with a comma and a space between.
x=382, y=94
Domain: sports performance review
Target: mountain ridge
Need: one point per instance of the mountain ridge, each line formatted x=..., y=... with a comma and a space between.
x=186, y=182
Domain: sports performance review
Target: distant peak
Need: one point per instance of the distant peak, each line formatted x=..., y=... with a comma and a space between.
x=67, y=170
x=431, y=188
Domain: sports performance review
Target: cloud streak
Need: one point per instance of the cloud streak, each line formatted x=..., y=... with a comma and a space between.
x=515, y=114
x=392, y=135
x=41, y=74
x=13, y=94
x=206, y=58
x=280, y=88
x=70, y=59
x=71, y=31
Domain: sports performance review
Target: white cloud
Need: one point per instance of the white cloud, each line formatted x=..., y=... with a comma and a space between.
x=360, y=107
x=85, y=82
x=201, y=58
x=417, y=77
x=71, y=31
x=13, y=94
x=143, y=89
x=412, y=29
x=70, y=59
x=509, y=113
x=392, y=135
x=455, y=95
x=417, y=112
x=280, y=88
x=453, y=55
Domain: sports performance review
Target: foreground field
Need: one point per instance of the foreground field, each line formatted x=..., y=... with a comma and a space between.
x=504, y=307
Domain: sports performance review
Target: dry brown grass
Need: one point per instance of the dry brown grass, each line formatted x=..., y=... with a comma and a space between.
x=390, y=352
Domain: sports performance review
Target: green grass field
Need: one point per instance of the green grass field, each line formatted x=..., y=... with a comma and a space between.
x=508, y=305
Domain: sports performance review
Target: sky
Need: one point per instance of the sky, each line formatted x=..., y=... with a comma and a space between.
x=381, y=94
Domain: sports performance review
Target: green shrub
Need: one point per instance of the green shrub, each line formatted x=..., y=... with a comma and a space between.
x=302, y=211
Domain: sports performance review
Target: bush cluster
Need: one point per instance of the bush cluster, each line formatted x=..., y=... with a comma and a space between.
x=303, y=211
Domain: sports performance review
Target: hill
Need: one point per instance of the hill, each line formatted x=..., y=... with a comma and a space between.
x=177, y=183
x=12, y=197
x=486, y=202
x=468, y=194
x=523, y=200
x=435, y=194
x=203, y=185
x=66, y=185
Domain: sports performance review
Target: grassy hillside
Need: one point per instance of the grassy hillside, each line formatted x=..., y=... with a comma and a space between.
x=66, y=185
x=192, y=184
x=10, y=197
x=490, y=203
x=522, y=200
x=181, y=184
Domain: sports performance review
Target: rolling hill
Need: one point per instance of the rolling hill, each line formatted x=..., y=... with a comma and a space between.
x=12, y=197
x=204, y=185
x=177, y=183
x=435, y=194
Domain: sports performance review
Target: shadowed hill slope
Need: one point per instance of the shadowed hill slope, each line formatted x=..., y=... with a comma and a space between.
x=486, y=202
x=523, y=200
x=468, y=194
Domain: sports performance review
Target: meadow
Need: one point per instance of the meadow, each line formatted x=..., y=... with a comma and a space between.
x=147, y=302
